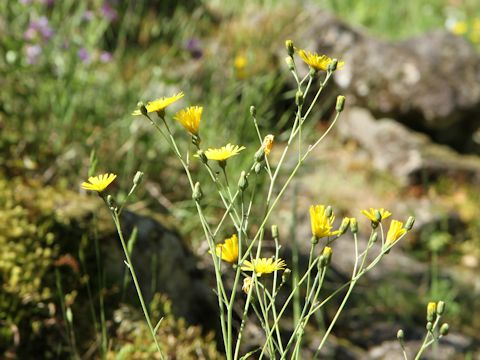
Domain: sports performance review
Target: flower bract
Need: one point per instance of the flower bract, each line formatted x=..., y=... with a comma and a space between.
x=99, y=183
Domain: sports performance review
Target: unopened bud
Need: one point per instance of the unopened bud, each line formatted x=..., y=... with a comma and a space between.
x=332, y=66
x=142, y=108
x=112, y=204
x=312, y=72
x=340, y=103
x=259, y=155
x=429, y=326
x=444, y=329
x=275, y=234
x=197, y=192
x=314, y=240
x=374, y=237
x=253, y=111
x=137, y=179
x=299, y=98
x=440, y=308
x=286, y=275
x=328, y=211
x=243, y=182
x=400, y=335
x=326, y=256
x=409, y=223
x=258, y=167
x=290, y=47
x=431, y=311
x=290, y=64
x=344, y=226
x=353, y=225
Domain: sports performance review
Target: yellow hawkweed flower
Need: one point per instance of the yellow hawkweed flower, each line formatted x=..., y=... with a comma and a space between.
x=267, y=144
x=224, y=152
x=317, y=62
x=395, y=231
x=460, y=28
x=190, y=118
x=159, y=105
x=264, y=266
x=98, y=183
x=228, y=251
x=247, y=284
x=321, y=223
x=240, y=65
x=371, y=214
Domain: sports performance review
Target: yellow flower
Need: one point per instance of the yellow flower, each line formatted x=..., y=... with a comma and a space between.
x=159, y=105
x=460, y=28
x=240, y=65
x=247, y=284
x=371, y=214
x=98, y=183
x=228, y=251
x=264, y=266
x=317, y=62
x=190, y=118
x=321, y=223
x=395, y=231
x=224, y=152
x=267, y=144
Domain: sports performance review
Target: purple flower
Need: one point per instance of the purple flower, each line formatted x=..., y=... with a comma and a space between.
x=105, y=57
x=87, y=15
x=194, y=47
x=32, y=52
x=84, y=55
x=39, y=27
x=109, y=12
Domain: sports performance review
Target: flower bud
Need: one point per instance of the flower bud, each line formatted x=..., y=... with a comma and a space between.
x=353, y=225
x=314, y=240
x=202, y=156
x=112, y=204
x=275, y=234
x=440, y=308
x=344, y=225
x=258, y=167
x=259, y=155
x=340, y=103
x=431, y=311
x=142, y=108
x=374, y=237
x=286, y=275
x=328, y=211
x=243, y=182
x=312, y=72
x=326, y=256
x=333, y=65
x=429, y=326
x=444, y=329
x=290, y=64
x=197, y=192
x=400, y=335
x=137, y=179
x=409, y=223
x=253, y=111
x=299, y=98
x=290, y=47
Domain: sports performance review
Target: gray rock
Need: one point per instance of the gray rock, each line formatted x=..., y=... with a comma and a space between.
x=430, y=82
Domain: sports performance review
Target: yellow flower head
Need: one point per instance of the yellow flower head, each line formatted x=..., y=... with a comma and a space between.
x=395, y=231
x=240, y=65
x=317, y=62
x=371, y=214
x=228, y=251
x=321, y=223
x=460, y=28
x=190, y=118
x=247, y=284
x=98, y=183
x=264, y=266
x=267, y=144
x=224, y=152
x=160, y=104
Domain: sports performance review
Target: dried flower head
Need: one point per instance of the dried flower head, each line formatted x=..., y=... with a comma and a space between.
x=247, y=284
x=267, y=144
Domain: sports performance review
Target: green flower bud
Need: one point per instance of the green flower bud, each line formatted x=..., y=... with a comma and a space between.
x=142, y=108
x=325, y=257
x=253, y=111
x=400, y=335
x=137, y=179
x=444, y=329
x=197, y=192
x=299, y=98
x=243, y=182
x=374, y=237
x=275, y=231
x=314, y=240
x=290, y=64
x=353, y=225
x=409, y=223
x=340, y=103
x=286, y=275
x=290, y=47
x=258, y=167
x=344, y=225
x=429, y=326
x=112, y=204
x=333, y=65
x=431, y=311
x=328, y=211
x=440, y=308
x=260, y=155
x=202, y=156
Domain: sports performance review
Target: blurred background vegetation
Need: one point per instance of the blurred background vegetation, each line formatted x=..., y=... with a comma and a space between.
x=71, y=73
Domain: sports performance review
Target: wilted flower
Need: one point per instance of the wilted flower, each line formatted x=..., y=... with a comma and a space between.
x=160, y=104
x=264, y=266
x=267, y=144
x=223, y=153
x=190, y=118
x=395, y=231
x=317, y=62
x=98, y=183
x=247, y=284
x=228, y=251
x=321, y=223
